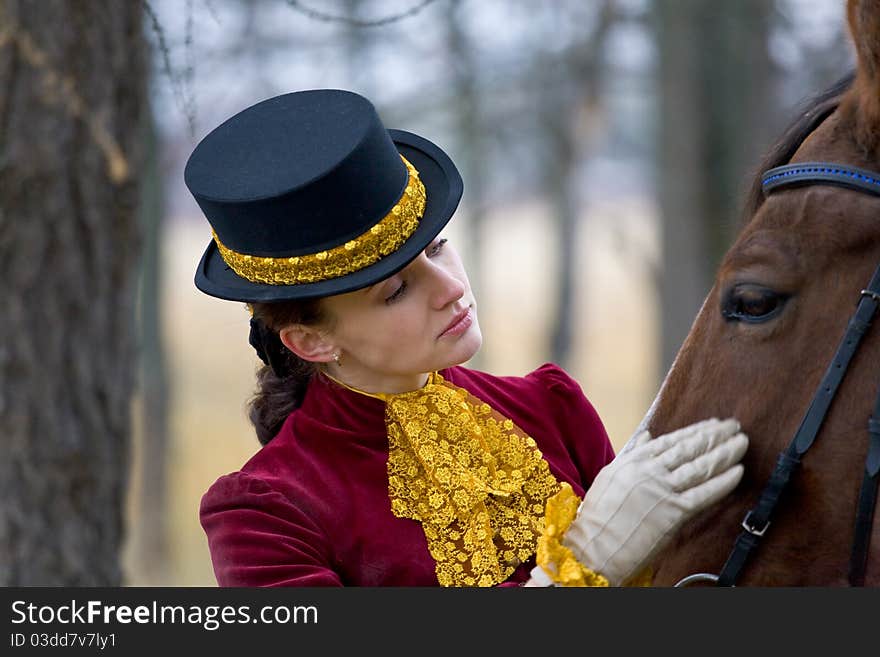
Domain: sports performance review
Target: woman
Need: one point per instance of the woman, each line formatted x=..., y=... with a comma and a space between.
x=384, y=462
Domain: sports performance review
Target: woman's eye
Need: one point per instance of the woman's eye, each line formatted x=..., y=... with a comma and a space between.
x=752, y=303
x=437, y=247
x=398, y=293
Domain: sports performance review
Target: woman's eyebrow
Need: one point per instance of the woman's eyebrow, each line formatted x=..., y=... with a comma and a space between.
x=372, y=288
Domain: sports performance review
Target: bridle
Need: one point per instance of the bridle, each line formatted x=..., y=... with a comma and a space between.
x=757, y=520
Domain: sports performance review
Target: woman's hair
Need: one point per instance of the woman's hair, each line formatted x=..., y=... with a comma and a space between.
x=281, y=389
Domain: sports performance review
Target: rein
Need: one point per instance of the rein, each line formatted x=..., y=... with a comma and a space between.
x=757, y=520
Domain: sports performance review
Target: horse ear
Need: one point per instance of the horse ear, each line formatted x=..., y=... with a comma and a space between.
x=863, y=99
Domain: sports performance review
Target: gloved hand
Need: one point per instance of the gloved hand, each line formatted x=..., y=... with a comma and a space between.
x=639, y=500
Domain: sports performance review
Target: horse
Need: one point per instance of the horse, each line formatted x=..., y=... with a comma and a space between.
x=783, y=343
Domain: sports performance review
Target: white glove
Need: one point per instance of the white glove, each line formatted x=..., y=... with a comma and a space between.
x=639, y=500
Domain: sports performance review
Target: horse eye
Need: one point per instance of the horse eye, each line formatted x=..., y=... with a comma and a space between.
x=751, y=303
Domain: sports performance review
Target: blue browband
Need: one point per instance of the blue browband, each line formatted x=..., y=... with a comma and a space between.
x=818, y=172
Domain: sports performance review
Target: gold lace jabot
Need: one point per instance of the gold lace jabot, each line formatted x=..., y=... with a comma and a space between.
x=480, y=487
x=474, y=480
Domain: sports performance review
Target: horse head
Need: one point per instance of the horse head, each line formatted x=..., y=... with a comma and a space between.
x=767, y=335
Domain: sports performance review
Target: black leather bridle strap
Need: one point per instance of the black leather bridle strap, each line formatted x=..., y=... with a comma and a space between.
x=748, y=539
x=858, y=562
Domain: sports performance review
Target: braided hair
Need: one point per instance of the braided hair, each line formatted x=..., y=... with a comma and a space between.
x=284, y=377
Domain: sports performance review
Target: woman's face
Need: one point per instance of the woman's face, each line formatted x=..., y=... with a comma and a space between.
x=421, y=319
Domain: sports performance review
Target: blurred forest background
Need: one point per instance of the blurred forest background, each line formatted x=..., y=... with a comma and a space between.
x=605, y=147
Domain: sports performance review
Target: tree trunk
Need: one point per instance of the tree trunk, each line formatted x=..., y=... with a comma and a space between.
x=567, y=107
x=72, y=75
x=715, y=113
x=150, y=527
x=563, y=203
x=467, y=120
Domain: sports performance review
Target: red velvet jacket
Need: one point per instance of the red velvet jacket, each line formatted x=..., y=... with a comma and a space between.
x=311, y=508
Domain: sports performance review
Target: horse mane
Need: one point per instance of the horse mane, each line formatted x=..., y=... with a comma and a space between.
x=814, y=110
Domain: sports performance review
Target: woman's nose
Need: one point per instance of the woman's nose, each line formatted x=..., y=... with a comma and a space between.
x=449, y=288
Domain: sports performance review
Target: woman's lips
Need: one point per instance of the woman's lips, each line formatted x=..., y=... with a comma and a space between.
x=460, y=324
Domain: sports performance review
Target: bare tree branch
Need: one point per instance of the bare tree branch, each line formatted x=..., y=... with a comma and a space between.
x=178, y=84
x=331, y=18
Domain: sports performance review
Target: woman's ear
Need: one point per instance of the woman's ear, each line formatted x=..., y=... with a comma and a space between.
x=308, y=343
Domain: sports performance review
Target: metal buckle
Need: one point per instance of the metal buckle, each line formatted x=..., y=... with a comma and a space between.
x=751, y=530
x=872, y=294
x=696, y=577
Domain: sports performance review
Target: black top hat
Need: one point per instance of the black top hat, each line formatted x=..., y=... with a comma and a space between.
x=309, y=195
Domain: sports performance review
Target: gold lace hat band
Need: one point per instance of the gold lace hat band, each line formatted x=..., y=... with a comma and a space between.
x=382, y=239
